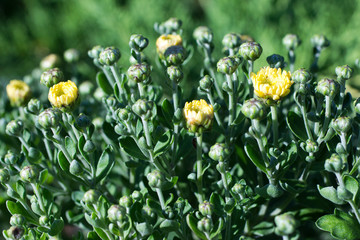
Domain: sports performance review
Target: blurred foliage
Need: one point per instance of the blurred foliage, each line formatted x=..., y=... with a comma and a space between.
x=31, y=29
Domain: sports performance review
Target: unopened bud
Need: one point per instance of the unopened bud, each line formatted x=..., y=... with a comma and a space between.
x=231, y=40
x=50, y=61
x=219, y=152
x=43, y=220
x=14, y=128
x=51, y=77
x=172, y=25
x=205, y=224
x=138, y=42
x=327, y=87
x=156, y=179
x=139, y=72
x=175, y=73
x=29, y=174
x=72, y=55
x=4, y=176
x=15, y=232
x=250, y=51
x=275, y=61
x=86, y=88
x=109, y=56
x=34, y=106
x=301, y=76
x=116, y=213
x=49, y=118
x=343, y=72
x=334, y=163
x=95, y=51
x=91, y=196
x=291, y=41
x=136, y=195
x=82, y=121
x=206, y=208
x=341, y=124
x=228, y=65
x=286, y=224
x=203, y=34
x=254, y=109
x=123, y=114
x=125, y=201
x=175, y=55
x=11, y=158
x=206, y=83
x=309, y=146
x=143, y=108
x=17, y=220
x=320, y=41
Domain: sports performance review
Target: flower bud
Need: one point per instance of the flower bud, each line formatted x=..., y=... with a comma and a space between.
x=15, y=232
x=123, y=114
x=91, y=196
x=203, y=34
x=125, y=201
x=82, y=122
x=246, y=38
x=175, y=55
x=72, y=55
x=228, y=65
x=231, y=40
x=206, y=83
x=50, y=61
x=172, y=25
x=341, y=124
x=148, y=213
x=291, y=41
x=357, y=105
x=309, y=146
x=29, y=174
x=320, y=41
x=156, y=179
x=343, y=193
x=343, y=72
x=139, y=72
x=15, y=128
x=109, y=56
x=175, y=73
x=166, y=41
x=301, y=76
x=254, y=109
x=250, y=51
x=205, y=224
x=111, y=102
x=286, y=224
x=4, y=175
x=34, y=106
x=95, y=51
x=11, y=158
x=89, y=146
x=327, y=87
x=17, y=220
x=116, y=213
x=138, y=42
x=198, y=115
x=339, y=149
x=168, y=213
x=43, y=220
x=238, y=188
x=334, y=163
x=143, y=108
x=76, y=168
x=136, y=195
x=49, y=118
x=275, y=61
x=219, y=152
x=206, y=208
x=18, y=93
x=51, y=77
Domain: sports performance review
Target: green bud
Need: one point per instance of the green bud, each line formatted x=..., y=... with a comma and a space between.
x=339, y=149
x=11, y=158
x=301, y=76
x=175, y=73
x=76, y=168
x=291, y=41
x=82, y=122
x=205, y=224
x=175, y=55
x=250, y=51
x=15, y=232
x=95, y=51
x=123, y=114
x=238, y=188
x=206, y=208
x=172, y=25
x=156, y=179
x=206, y=83
x=89, y=146
x=309, y=146
x=343, y=72
x=231, y=40
x=29, y=174
x=4, y=176
x=86, y=88
x=334, y=163
x=203, y=34
x=15, y=128
x=219, y=152
x=111, y=102
x=91, y=196
x=34, y=106
x=221, y=167
x=341, y=124
x=343, y=193
x=148, y=213
x=116, y=213
x=228, y=65
x=275, y=61
x=138, y=42
x=49, y=118
x=270, y=190
x=286, y=224
x=327, y=87
x=320, y=41
x=109, y=56
x=136, y=195
x=72, y=55
x=254, y=109
x=50, y=61
x=17, y=220
x=139, y=72
x=143, y=108
x=125, y=201
x=44, y=220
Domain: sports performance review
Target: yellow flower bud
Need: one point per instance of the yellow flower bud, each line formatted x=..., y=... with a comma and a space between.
x=18, y=93
x=64, y=95
x=271, y=83
x=166, y=41
x=198, y=115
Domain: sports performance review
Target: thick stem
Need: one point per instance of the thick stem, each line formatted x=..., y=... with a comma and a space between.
x=117, y=78
x=109, y=76
x=161, y=197
x=231, y=100
x=306, y=122
x=47, y=147
x=275, y=125
x=176, y=126
x=141, y=90
x=292, y=59
x=23, y=142
x=327, y=117
x=200, y=194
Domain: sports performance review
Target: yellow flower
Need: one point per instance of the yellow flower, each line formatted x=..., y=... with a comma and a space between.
x=166, y=41
x=271, y=83
x=198, y=115
x=64, y=95
x=18, y=93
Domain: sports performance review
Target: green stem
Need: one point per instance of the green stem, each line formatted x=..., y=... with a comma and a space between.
x=227, y=196
x=24, y=204
x=275, y=125
x=341, y=96
x=231, y=100
x=343, y=140
x=306, y=123
x=109, y=76
x=39, y=197
x=147, y=133
x=327, y=118
x=176, y=126
x=305, y=173
x=23, y=142
x=256, y=126
x=47, y=147
x=161, y=197
x=117, y=78
x=216, y=114
x=250, y=69
x=292, y=60
x=200, y=194
x=212, y=73
x=285, y=237
x=141, y=90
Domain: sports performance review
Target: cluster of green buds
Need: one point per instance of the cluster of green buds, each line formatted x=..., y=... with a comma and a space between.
x=231, y=43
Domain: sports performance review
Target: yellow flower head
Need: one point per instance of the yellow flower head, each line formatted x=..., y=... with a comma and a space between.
x=271, y=83
x=166, y=41
x=198, y=115
x=64, y=95
x=18, y=93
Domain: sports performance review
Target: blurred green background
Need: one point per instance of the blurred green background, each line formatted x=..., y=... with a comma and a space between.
x=31, y=29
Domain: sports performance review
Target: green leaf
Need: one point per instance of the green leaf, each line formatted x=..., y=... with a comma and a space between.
x=263, y=229
x=63, y=162
x=192, y=223
x=163, y=143
x=352, y=185
x=101, y=233
x=253, y=152
x=56, y=227
x=70, y=146
x=17, y=208
x=170, y=184
x=239, y=116
x=42, y=176
x=330, y=194
x=229, y=206
x=109, y=131
x=81, y=144
x=105, y=164
x=296, y=125
x=93, y=236
x=20, y=189
x=218, y=203
x=104, y=83
x=293, y=186
x=145, y=229
x=217, y=228
x=340, y=224
x=169, y=226
x=26, y=135
x=131, y=148
x=167, y=110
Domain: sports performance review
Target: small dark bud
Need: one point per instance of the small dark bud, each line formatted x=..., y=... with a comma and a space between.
x=334, y=163
x=320, y=41
x=206, y=208
x=231, y=40
x=203, y=34
x=206, y=83
x=82, y=122
x=275, y=61
x=175, y=55
x=34, y=106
